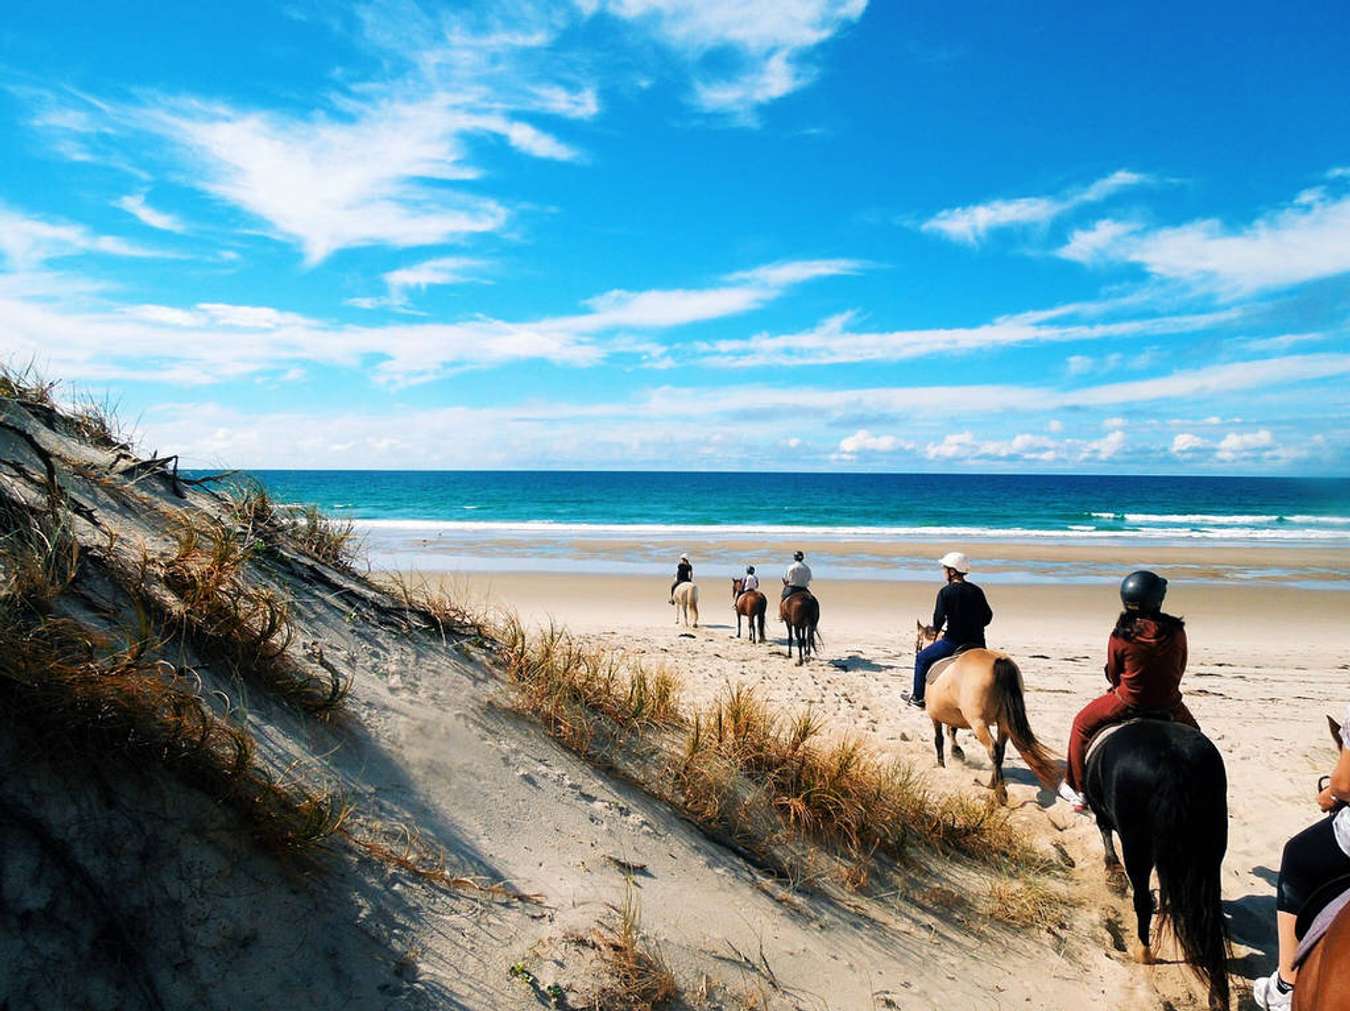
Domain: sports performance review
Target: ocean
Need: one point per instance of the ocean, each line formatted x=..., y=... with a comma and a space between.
x=637, y=522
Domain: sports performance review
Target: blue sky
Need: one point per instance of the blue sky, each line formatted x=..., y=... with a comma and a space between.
x=744, y=234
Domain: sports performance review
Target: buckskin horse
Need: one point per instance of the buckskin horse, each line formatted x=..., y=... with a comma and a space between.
x=981, y=690
x=1323, y=982
x=748, y=604
x=801, y=613
x=1162, y=787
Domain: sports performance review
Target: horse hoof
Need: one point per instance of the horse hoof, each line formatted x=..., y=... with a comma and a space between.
x=941, y=764
x=1143, y=954
x=958, y=754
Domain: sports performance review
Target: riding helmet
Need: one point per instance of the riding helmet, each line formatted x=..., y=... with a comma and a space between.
x=749, y=570
x=1143, y=591
x=798, y=556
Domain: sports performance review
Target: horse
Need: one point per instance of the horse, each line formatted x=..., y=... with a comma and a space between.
x=686, y=603
x=981, y=689
x=1162, y=787
x=801, y=613
x=1323, y=984
x=748, y=604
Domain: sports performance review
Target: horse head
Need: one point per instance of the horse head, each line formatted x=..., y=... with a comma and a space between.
x=737, y=585
x=925, y=635
x=1336, y=733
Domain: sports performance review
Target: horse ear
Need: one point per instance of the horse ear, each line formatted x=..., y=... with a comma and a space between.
x=918, y=624
x=1336, y=732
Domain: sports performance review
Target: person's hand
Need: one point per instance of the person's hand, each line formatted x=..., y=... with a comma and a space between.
x=1327, y=800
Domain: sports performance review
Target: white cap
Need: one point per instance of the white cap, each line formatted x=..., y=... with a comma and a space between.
x=955, y=560
x=684, y=558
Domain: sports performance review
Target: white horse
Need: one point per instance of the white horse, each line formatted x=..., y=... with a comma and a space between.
x=686, y=603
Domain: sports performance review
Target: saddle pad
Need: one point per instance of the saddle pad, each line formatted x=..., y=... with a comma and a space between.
x=1099, y=738
x=935, y=671
x=1322, y=923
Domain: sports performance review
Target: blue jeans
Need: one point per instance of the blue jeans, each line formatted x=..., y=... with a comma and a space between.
x=940, y=650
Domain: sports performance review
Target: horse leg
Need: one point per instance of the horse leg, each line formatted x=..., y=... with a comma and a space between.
x=937, y=744
x=789, y=638
x=738, y=627
x=996, y=780
x=761, y=626
x=1139, y=866
x=957, y=753
x=801, y=645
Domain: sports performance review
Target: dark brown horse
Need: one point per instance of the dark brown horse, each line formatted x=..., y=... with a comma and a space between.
x=801, y=613
x=748, y=604
x=1323, y=982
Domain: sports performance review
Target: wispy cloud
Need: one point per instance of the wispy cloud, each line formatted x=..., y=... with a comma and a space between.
x=1306, y=240
x=27, y=242
x=836, y=341
x=135, y=205
x=442, y=270
x=744, y=53
x=95, y=339
x=972, y=223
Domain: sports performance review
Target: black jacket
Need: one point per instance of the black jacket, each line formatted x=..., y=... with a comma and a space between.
x=962, y=608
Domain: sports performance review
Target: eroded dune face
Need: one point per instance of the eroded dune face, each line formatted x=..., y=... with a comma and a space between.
x=240, y=774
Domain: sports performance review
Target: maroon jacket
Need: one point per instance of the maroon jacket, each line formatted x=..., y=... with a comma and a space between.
x=1145, y=669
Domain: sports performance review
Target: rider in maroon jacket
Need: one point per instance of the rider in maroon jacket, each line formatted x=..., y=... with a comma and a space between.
x=1145, y=659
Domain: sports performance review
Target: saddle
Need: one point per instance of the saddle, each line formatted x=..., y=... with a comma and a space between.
x=1318, y=914
x=936, y=671
x=1136, y=715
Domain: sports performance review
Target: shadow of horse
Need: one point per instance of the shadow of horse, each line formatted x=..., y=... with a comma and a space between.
x=862, y=663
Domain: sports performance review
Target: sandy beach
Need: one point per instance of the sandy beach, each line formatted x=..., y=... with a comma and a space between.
x=1267, y=664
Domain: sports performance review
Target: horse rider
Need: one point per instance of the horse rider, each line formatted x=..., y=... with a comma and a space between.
x=751, y=581
x=684, y=573
x=961, y=606
x=1317, y=855
x=1145, y=659
x=797, y=577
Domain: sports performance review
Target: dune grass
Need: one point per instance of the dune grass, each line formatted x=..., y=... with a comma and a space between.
x=726, y=762
x=79, y=694
x=228, y=617
x=635, y=977
x=308, y=529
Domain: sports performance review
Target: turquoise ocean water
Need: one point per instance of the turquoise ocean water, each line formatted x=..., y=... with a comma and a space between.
x=543, y=520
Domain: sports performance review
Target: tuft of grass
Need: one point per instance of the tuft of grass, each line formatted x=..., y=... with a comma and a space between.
x=306, y=528
x=87, y=419
x=431, y=602
x=39, y=555
x=247, y=626
x=1025, y=903
x=583, y=693
x=402, y=846
x=636, y=978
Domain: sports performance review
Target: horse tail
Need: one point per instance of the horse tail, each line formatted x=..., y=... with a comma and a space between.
x=1190, y=834
x=1012, y=706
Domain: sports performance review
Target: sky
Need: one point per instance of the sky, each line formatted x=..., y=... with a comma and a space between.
x=748, y=235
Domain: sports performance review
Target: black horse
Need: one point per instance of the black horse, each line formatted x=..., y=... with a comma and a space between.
x=1163, y=788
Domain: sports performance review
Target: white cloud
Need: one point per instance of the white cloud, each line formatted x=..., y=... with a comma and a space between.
x=833, y=342
x=1113, y=423
x=1055, y=425
x=972, y=223
x=863, y=441
x=744, y=53
x=1306, y=240
x=1106, y=447
x=135, y=205
x=1186, y=442
x=213, y=341
x=1237, y=446
x=964, y=446
x=27, y=242
x=419, y=276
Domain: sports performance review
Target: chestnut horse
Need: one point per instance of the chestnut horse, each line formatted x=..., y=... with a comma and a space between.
x=748, y=604
x=1323, y=982
x=980, y=690
x=801, y=613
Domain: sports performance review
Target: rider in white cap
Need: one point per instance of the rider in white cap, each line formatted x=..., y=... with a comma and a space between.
x=684, y=573
x=961, y=607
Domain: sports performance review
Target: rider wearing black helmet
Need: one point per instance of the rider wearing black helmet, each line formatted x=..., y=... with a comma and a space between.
x=1145, y=659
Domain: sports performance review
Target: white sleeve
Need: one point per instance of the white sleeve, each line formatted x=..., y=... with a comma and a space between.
x=1345, y=728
